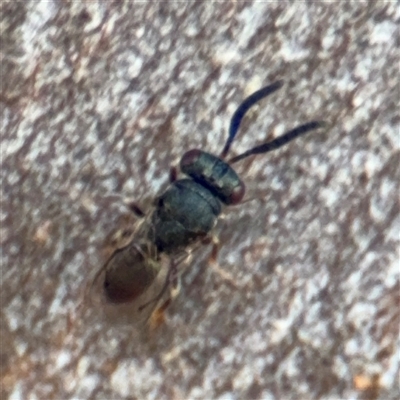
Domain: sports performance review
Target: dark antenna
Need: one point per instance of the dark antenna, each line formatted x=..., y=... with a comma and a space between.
x=273, y=144
x=242, y=110
x=280, y=141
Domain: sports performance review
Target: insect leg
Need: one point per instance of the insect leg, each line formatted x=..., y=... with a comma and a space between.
x=136, y=209
x=157, y=317
x=173, y=174
x=226, y=276
x=172, y=281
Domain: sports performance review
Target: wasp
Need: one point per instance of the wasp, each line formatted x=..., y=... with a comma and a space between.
x=185, y=214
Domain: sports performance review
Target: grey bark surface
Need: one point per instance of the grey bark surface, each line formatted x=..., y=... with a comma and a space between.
x=99, y=99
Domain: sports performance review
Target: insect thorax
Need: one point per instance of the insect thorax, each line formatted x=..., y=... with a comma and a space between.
x=185, y=212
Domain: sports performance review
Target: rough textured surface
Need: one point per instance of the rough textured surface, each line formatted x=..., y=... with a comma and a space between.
x=98, y=100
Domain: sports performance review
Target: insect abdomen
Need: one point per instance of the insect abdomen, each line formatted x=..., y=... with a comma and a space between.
x=129, y=273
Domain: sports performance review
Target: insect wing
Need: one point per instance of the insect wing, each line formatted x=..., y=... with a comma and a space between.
x=133, y=274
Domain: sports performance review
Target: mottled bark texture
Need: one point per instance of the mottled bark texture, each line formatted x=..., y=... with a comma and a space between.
x=98, y=99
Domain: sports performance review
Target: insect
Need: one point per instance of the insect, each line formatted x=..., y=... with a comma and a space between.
x=185, y=214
